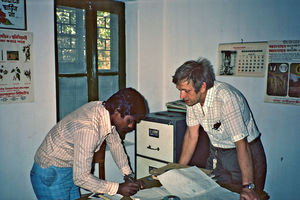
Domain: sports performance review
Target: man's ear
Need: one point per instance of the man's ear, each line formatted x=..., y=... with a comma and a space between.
x=117, y=110
x=131, y=124
x=203, y=87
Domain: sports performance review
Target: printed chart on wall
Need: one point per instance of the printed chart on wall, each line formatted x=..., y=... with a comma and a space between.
x=16, y=68
x=242, y=59
x=283, y=72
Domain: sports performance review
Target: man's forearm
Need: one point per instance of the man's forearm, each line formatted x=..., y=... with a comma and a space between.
x=245, y=162
x=188, y=147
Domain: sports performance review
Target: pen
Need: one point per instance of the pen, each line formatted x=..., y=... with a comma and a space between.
x=98, y=195
x=130, y=177
x=103, y=197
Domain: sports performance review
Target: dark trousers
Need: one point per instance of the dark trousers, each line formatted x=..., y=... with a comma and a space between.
x=228, y=170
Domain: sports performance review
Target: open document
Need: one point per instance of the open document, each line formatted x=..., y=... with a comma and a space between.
x=186, y=183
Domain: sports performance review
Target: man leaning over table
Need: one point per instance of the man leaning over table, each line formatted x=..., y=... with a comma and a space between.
x=226, y=117
x=63, y=162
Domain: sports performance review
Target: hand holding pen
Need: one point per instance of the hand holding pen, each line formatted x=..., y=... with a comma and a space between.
x=130, y=186
x=131, y=178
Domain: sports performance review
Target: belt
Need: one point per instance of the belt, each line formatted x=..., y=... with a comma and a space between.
x=222, y=149
x=229, y=149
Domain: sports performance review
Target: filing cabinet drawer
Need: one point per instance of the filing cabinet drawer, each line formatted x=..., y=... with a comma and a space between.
x=155, y=140
x=144, y=165
x=158, y=140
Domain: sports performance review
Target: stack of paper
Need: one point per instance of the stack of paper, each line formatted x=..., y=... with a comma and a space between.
x=187, y=184
x=176, y=106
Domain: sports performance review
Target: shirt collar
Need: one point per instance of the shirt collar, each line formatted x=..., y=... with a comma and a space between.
x=107, y=127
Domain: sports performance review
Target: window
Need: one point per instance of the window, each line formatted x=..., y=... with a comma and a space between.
x=90, y=52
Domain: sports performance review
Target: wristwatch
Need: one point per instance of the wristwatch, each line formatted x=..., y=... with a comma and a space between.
x=250, y=186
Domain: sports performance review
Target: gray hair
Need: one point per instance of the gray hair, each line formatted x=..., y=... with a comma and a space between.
x=197, y=72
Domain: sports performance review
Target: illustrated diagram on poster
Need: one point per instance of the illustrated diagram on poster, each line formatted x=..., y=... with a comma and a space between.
x=16, y=68
x=283, y=72
x=242, y=59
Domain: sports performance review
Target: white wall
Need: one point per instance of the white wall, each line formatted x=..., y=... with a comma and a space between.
x=160, y=36
x=24, y=125
x=169, y=32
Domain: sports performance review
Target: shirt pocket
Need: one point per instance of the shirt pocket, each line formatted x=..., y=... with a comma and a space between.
x=217, y=129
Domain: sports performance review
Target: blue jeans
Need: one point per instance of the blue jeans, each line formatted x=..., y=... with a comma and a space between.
x=53, y=183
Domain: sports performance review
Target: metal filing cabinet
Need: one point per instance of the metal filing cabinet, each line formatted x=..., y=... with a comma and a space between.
x=159, y=139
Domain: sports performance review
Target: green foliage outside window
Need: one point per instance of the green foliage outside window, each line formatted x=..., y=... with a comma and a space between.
x=103, y=40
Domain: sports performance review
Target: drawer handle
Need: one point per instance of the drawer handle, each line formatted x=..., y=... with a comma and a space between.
x=151, y=148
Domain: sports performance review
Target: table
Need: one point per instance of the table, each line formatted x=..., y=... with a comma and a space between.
x=150, y=182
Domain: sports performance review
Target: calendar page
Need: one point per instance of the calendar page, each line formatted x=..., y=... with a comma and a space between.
x=242, y=59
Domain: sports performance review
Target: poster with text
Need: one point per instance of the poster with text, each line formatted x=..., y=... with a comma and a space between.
x=242, y=59
x=283, y=72
x=13, y=14
x=16, y=67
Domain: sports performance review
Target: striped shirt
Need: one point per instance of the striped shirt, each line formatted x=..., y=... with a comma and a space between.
x=225, y=116
x=73, y=141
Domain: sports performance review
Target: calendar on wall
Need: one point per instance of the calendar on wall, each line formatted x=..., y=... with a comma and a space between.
x=242, y=59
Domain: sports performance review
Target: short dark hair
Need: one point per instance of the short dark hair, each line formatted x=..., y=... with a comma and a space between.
x=127, y=101
x=197, y=72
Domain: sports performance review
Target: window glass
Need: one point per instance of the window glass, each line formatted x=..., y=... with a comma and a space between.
x=72, y=94
x=71, y=49
x=107, y=41
x=108, y=85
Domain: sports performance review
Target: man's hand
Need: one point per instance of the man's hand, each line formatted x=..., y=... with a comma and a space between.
x=141, y=184
x=131, y=178
x=128, y=188
x=131, y=185
x=248, y=194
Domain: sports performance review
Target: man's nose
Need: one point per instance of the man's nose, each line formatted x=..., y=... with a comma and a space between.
x=182, y=94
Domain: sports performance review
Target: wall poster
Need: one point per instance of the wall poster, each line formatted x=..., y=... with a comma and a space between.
x=242, y=59
x=13, y=14
x=283, y=72
x=16, y=67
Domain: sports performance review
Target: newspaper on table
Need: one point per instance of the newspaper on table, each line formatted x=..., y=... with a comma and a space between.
x=188, y=183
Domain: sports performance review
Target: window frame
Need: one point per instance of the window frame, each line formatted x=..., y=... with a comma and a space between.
x=91, y=7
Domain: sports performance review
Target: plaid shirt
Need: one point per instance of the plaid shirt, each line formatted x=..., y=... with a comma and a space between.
x=73, y=141
x=225, y=116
